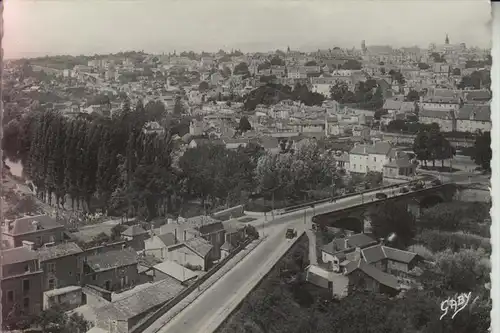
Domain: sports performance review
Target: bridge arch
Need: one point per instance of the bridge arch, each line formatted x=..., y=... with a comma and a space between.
x=430, y=200
x=353, y=223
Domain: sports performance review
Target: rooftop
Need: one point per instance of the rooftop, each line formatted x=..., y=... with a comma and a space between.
x=175, y=270
x=30, y=224
x=141, y=301
x=199, y=245
x=135, y=230
x=112, y=259
x=58, y=251
x=17, y=255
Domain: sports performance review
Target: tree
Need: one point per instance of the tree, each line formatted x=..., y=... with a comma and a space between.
x=244, y=124
x=382, y=71
x=464, y=270
x=203, y=86
x=277, y=61
x=352, y=65
x=437, y=57
x=456, y=71
x=412, y=96
x=423, y=66
x=241, y=69
x=265, y=65
x=311, y=63
x=178, y=107
x=388, y=218
x=379, y=113
x=482, y=153
x=54, y=320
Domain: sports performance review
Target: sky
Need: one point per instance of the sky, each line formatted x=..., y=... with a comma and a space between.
x=49, y=27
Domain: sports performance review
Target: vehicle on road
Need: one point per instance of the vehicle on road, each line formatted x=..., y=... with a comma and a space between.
x=291, y=233
x=404, y=190
x=380, y=196
x=436, y=182
x=417, y=186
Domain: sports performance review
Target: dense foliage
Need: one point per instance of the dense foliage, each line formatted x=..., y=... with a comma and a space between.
x=273, y=93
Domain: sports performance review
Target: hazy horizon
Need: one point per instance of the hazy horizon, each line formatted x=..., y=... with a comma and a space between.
x=36, y=28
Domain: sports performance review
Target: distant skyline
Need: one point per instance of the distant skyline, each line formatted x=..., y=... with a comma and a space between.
x=49, y=27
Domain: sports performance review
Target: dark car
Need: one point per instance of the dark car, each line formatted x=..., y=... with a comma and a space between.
x=291, y=233
x=436, y=182
x=417, y=186
x=380, y=195
x=404, y=190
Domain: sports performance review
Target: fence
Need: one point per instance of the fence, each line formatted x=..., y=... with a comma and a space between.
x=179, y=297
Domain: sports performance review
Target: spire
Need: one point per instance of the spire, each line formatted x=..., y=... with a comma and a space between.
x=447, y=40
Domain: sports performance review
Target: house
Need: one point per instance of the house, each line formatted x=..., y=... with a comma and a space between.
x=171, y=269
x=135, y=236
x=21, y=285
x=473, y=118
x=113, y=270
x=471, y=96
x=438, y=103
x=61, y=264
x=334, y=254
x=195, y=252
x=363, y=276
x=445, y=119
x=399, y=166
x=124, y=314
x=158, y=245
x=297, y=73
x=39, y=230
x=235, y=143
x=270, y=144
x=369, y=157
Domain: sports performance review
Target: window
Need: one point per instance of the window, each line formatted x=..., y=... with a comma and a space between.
x=107, y=285
x=94, y=277
x=52, y=284
x=39, y=240
x=26, y=303
x=374, y=159
x=10, y=296
x=51, y=267
x=26, y=286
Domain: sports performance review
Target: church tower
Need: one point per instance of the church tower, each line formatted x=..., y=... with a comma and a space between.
x=363, y=46
x=447, y=40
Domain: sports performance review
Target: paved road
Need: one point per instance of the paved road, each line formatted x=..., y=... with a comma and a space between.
x=218, y=301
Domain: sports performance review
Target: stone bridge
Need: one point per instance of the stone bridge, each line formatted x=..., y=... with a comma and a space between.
x=354, y=217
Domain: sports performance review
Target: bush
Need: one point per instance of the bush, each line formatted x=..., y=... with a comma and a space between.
x=251, y=231
x=437, y=241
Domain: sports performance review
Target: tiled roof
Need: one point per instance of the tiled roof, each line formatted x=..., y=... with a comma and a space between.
x=477, y=95
x=141, y=301
x=211, y=227
x=27, y=224
x=199, y=245
x=380, y=148
x=17, y=255
x=168, y=239
x=57, y=251
x=360, y=240
x=478, y=112
x=175, y=270
x=436, y=114
x=378, y=252
x=112, y=259
x=380, y=276
x=134, y=230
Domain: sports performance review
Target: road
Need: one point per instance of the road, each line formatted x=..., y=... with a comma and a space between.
x=211, y=307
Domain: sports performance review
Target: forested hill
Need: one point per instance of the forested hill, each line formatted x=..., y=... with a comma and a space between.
x=271, y=93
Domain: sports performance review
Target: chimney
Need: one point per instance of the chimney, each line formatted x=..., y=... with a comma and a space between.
x=175, y=234
x=29, y=245
x=36, y=225
x=345, y=243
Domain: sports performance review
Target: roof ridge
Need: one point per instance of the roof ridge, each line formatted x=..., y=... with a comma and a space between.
x=383, y=251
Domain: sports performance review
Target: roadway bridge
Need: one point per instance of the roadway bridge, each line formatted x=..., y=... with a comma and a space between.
x=212, y=307
x=354, y=216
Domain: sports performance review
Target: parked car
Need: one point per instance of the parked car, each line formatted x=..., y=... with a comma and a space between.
x=436, y=182
x=380, y=196
x=404, y=190
x=417, y=186
x=291, y=233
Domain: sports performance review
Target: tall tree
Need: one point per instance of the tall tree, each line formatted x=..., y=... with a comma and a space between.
x=482, y=151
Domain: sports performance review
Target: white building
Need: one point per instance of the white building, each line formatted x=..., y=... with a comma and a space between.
x=364, y=158
x=472, y=118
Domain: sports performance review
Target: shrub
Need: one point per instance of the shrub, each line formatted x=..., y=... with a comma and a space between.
x=438, y=241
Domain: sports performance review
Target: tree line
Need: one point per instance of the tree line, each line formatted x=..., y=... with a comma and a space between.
x=114, y=165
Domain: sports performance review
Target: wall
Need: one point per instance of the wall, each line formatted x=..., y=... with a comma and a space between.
x=67, y=301
x=232, y=212
x=183, y=255
x=39, y=238
x=114, y=276
x=16, y=285
x=67, y=271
